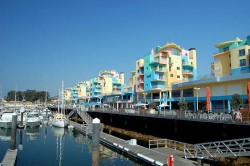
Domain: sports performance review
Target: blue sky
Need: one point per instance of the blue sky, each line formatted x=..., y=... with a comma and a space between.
x=43, y=42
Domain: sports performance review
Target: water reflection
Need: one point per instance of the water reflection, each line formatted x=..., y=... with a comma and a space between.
x=5, y=134
x=58, y=146
x=20, y=146
x=59, y=134
x=32, y=132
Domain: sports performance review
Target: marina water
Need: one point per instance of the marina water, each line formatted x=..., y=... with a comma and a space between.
x=48, y=145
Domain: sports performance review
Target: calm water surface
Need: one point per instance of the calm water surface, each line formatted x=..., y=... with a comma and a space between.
x=47, y=145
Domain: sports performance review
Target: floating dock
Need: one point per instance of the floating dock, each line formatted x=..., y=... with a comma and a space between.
x=9, y=158
x=149, y=156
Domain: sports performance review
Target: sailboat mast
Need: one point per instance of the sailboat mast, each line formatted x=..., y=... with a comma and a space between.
x=58, y=105
x=45, y=98
x=62, y=99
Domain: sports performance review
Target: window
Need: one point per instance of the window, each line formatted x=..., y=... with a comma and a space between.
x=216, y=60
x=171, y=75
x=243, y=62
x=248, y=51
x=147, y=68
x=137, y=71
x=229, y=55
x=178, y=68
x=225, y=48
x=178, y=76
x=138, y=63
x=170, y=68
x=230, y=64
x=242, y=52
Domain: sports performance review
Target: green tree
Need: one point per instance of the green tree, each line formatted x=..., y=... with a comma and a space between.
x=19, y=95
x=11, y=96
x=236, y=101
x=183, y=105
x=28, y=95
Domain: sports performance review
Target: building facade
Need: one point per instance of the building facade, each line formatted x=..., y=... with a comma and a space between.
x=232, y=58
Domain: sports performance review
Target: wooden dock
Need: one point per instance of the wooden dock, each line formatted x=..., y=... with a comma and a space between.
x=9, y=158
x=149, y=156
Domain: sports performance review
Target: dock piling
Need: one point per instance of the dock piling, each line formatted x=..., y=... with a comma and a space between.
x=13, y=132
x=95, y=141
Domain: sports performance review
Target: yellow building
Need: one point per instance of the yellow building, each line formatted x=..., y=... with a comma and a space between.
x=232, y=58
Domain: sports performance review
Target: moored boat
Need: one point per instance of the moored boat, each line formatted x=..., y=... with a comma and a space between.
x=6, y=120
x=33, y=120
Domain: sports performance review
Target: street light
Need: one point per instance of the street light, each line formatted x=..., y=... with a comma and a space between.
x=145, y=94
x=197, y=97
x=117, y=102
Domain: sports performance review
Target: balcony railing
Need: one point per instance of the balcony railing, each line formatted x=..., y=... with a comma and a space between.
x=187, y=73
x=187, y=65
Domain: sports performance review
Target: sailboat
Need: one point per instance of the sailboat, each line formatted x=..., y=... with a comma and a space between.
x=60, y=119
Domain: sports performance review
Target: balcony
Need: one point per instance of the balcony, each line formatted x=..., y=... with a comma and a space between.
x=141, y=80
x=157, y=61
x=160, y=70
x=141, y=74
x=117, y=88
x=160, y=79
x=117, y=92
x=189, y=73
x=98, y=86
x=97, y=90
x=141, y=65
x=156, y=87
x=187, y=65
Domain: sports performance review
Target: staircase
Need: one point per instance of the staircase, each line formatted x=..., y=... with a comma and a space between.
x=83, y=114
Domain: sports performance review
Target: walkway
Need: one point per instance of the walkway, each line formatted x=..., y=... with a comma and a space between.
x=150, y=156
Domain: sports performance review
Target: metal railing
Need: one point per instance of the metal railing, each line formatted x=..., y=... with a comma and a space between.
x=228, y=148
x=172, y=144
x=87, y=128
x=243, y=118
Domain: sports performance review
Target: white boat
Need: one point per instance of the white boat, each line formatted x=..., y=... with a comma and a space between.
x=33, y=119
x=6, y=120
x=46, y=113
x=60, y=119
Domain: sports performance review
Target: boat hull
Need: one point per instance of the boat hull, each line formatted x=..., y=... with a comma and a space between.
x=33, y=124
x=60, y=123
x=5, y=125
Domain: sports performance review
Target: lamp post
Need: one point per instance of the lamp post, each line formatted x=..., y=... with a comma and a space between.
x=145, y=94
x=197, y=96
x=117, y=102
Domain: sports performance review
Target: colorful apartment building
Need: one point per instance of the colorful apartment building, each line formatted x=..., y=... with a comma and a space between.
x=164, y=66
x=233, y=58
x=168, y=75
